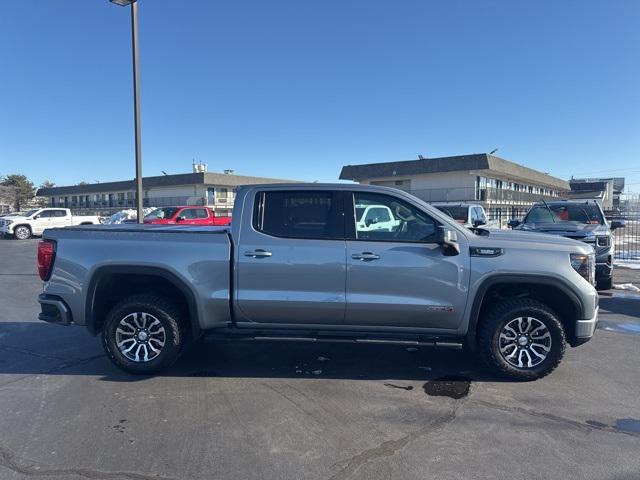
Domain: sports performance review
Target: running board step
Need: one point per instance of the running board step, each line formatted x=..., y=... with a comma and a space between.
x=337, y=339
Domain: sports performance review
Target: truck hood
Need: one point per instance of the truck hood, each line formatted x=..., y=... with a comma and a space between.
x=19, y=218
x=496, y=237
x=566, y=229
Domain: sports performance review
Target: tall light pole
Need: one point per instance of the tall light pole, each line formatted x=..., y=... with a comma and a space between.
x=136, y=100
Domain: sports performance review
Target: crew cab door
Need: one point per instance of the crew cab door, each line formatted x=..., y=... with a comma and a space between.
x=60, y=218
x=42, y=221
x=401, y=277
x=193, y=216
x=291, y=258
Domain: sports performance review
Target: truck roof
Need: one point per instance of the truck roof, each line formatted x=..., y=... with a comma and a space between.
x=321, y=186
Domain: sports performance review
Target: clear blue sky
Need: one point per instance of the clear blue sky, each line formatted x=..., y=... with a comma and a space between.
x=296, y=89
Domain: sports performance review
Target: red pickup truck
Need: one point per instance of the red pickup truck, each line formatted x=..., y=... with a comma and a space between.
x=188, y=215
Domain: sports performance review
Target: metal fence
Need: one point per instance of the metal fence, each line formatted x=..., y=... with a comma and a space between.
x=627, y=239
x=500, y=216
x=485, y=194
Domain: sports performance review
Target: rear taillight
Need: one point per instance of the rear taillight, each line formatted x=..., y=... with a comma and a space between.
x=46, y=256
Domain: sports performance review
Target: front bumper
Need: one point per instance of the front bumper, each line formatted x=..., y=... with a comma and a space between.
x=586, y=328
x=54, y=310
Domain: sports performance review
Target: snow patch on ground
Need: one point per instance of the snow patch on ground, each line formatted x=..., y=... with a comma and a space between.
x=130, y=214
x=634, y=264
x=627, y=286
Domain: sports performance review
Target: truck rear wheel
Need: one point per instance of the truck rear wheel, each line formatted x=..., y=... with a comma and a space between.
x=521, y=339
x=143, y=335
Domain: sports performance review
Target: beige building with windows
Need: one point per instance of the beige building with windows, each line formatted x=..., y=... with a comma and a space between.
x=216, y=190
x=479, y=178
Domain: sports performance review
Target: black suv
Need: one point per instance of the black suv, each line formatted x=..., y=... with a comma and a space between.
x=581, y=220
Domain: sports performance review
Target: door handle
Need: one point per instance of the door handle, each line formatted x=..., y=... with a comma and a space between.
x=259, y=253
x=365, y=256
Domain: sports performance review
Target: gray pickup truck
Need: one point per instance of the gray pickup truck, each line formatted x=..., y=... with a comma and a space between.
x=297, y=264
x=581, y=220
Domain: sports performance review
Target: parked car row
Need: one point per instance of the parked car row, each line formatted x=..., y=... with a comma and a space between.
x=34, y=222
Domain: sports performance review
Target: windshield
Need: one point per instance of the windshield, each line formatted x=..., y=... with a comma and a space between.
x=31, y=212
x=164, y=212
x=578, y=213
x=359, y=213
x=458, y=213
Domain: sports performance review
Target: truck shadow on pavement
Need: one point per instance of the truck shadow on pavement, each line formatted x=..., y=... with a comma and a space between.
x=34, y=348
x=621, y=304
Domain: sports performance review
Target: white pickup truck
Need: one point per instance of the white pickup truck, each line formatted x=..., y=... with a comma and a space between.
x=36, y=221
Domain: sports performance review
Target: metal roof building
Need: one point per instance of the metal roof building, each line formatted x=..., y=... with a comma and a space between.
x=481, y=177
x=216, y=190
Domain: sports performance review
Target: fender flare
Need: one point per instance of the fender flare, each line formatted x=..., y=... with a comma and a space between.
x=531, y=279
x=13, y=227
x=172, y=278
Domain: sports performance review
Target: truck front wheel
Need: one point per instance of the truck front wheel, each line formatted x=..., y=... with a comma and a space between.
x=522, y=339
x=605, y=284
x=143, y=335
x=23, y=232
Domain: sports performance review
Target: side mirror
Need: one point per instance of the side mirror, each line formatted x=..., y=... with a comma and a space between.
x=514, y=223
x=370, y=221
x=180, y=219
x=617, y=224
x=478, y=222
x=448, y=239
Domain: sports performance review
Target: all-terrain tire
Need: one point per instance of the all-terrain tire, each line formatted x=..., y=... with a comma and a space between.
x=155, y=307
x=606, y=284
x=497, y=318
x=22, y=232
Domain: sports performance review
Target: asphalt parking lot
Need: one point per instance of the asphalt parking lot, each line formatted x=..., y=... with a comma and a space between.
x=287, y=411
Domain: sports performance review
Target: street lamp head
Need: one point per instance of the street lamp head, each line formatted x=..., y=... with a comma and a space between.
x=123, y=3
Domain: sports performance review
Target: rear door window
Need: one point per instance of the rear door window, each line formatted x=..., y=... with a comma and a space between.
x=189, y=213
x=299, y=214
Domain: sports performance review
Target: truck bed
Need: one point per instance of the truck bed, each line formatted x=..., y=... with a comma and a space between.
x=198, y=257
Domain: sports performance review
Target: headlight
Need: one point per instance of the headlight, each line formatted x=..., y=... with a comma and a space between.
x=603, y=241
x=585, y=265
x=8, y=222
